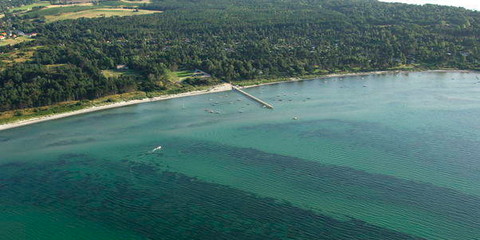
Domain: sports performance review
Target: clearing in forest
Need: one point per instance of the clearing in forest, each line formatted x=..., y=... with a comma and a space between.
x=137, y=1
x=117, y=73
x=14, y=41
x=178, y=76
x=70, y=5
x=101, y=12
x=17, y=56
x=30, y=6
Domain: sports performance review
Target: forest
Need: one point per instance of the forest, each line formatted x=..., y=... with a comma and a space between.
x=231, y=40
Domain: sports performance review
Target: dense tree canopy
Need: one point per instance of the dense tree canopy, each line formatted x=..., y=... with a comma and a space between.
x=235, y=40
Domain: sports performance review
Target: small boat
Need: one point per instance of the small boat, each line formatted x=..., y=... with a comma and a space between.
x=156, y=149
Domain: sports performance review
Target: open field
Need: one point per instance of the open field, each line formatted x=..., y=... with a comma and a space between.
x=11, y=41
x=120, y=3
x=30, y=6
x=69, y=5
x=137, y=1
x=56, y=11
x=179, y=76
x=56, y=65
x=118, y=73
x=17, y=56
x=184, y=73
x=101, y=12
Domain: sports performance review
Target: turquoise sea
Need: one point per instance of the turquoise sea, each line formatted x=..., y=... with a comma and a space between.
x=392, y=156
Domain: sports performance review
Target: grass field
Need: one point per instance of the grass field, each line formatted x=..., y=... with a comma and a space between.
x=56, y=11
x=95, y=13
x=55, y=65
x=137, y=1
x=11, y=41
x=120, y=3
x=179, y=76
x=47, y=4
x=30, y=6
x=70, y=5
x=82, y=10
x=118, y=73
x=16, y=56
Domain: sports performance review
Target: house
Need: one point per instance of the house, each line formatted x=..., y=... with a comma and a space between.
x=20, y=33
x=200, y=74
x=31, y=35
x=122, y=67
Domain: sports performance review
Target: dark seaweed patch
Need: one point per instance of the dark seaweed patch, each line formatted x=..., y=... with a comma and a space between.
x=411, y=144
x=4, y=139
x=71, y=142
x=318, y=177
x=168, y=205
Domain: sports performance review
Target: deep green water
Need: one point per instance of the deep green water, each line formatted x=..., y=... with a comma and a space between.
x=375, y=157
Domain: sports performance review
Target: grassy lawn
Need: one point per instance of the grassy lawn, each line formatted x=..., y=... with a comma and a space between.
x=95, y=13
x=179, y=76
x=87, y=10
x=137, y=1
x=56, y=11
x=184, y=74
x=11, y=41
x=118, y=73
x=48, y=5
x=120, y=4
x=18, y=56
x=405, y=67
x=50, y=66
x=30, y=6
x=70, y=5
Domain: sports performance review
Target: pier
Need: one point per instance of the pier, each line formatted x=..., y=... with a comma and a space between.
x=267, y=105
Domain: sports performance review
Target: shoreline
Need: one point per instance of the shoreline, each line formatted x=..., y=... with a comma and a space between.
x=214, y=89
x=333, y=75
x=217, y=88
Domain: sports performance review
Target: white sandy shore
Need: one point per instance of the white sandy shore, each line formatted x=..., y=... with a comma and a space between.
x=217, y=88
x=355, y=74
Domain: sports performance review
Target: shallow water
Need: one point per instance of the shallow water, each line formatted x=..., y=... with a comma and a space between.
x=392, y=156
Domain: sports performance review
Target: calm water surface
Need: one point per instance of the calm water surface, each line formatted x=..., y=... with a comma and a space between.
x=392, y=156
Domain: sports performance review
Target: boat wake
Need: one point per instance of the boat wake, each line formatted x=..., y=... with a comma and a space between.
x=156, y=149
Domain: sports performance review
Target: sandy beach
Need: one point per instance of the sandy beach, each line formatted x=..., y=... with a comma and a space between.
x=216, y=88
x=351, y=75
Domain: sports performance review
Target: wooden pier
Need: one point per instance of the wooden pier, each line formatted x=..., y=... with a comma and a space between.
x=265, y=104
